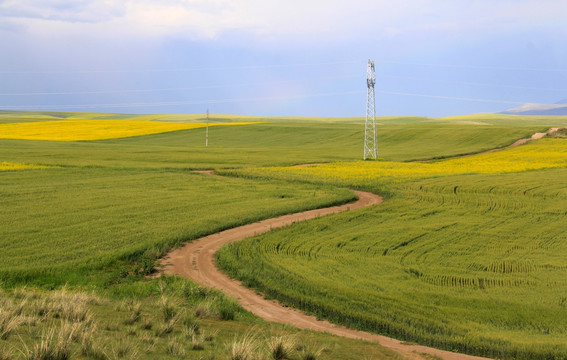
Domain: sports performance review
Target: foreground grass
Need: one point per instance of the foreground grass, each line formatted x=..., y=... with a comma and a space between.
x=167, y=318
x=471, y=263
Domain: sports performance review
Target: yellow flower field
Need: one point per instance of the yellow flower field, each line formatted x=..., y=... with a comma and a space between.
x=81, y=130
x=546, y=153
x=4, y=166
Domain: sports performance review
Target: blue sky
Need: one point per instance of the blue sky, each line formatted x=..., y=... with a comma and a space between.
x=263, y=57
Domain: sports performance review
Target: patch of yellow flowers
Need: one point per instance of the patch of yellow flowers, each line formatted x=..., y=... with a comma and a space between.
x=82, y=130
x=546, y=153
x=5, y=166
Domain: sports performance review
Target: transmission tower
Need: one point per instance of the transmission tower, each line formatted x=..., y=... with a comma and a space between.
x=370, y=144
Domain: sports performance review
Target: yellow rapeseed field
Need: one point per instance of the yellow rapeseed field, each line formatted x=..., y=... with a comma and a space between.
x=4, y=166
x=546, y=153
x=81, y=130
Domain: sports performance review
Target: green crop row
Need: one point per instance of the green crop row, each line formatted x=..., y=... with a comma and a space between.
x=478, y=270
x=59, y=221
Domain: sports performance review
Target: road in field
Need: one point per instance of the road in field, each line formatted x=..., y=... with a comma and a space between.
x=196, y=261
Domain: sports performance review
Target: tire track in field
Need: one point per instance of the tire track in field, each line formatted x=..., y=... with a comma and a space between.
x=196, y=261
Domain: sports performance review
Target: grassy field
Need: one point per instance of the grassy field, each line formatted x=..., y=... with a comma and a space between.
x=98, y=225
x=88, y=130
x=168, y=318
x=96, y=214
x=275, y=143
x=471, y=263
x=57, y=221
x=379, y=176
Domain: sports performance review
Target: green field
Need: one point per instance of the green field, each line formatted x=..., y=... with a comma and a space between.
x=57, y=221
x=472, y=263
x=109, y=208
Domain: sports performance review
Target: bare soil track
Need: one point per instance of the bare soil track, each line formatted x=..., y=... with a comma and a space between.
x=196, y=261
x=535, y=136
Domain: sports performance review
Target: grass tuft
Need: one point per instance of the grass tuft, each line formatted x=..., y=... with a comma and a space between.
x=175, y=348
x=281, y=347
x=244, y=348
x=54, y=345
x=8, y=324
x=168, y=310
x=167, y=327
x=308, y=353
x=198, y=341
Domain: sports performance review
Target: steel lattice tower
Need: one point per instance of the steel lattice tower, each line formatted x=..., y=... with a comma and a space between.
x=370, y=144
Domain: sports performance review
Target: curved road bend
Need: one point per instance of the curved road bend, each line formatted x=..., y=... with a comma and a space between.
x=196, y=261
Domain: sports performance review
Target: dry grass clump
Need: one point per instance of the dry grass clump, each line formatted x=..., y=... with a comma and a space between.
x=175, y=348
x=168, y=326
x=191, y=325
x=147, y=324
x=9, y=323
x=310, y=354
x=75, y=312
x=54, y=345
x=124, y=349
x=198, y=341
x=28, y=307
x=60, y=325
x=168, y=310
x=281, y=347
x=88, y=346
x=134, y=309
x=204, y=309
x=244, y=348
x=63, y=304
x=6, y=353
x=64, y=295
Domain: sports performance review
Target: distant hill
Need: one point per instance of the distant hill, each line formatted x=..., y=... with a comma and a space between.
x=559, y=108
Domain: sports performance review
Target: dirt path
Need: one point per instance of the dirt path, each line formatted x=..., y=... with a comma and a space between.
x=196, y=261
x=535, y=136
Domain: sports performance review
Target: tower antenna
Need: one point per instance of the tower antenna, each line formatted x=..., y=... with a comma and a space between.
x=370, y=144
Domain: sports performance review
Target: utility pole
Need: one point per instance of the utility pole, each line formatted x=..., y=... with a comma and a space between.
x=370, y=144
x=207, y=131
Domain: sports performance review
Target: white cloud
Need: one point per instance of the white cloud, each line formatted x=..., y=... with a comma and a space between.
x=301, y=20
x=62, y=10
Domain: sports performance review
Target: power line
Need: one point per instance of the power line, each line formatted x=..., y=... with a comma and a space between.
x=244, y=67
x=281, y=81
x=252, y=99
x=165, y=89
x=264, y=66
x=177, y=103
x=472, y=83
x=451, y=97
x=473, y=67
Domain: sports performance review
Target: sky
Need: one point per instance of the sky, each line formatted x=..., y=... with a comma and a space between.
x=282, y=58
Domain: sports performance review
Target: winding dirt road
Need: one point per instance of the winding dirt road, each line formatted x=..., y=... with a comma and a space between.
x=196, y=261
